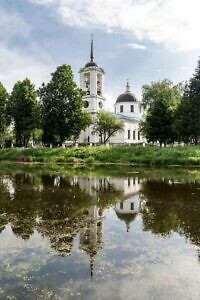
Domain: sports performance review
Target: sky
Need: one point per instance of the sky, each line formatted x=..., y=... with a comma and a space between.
x=139, y=40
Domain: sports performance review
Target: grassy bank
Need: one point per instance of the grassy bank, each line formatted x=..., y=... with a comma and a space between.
x=134, y=155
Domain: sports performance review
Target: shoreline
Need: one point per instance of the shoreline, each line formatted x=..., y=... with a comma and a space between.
x=132, y=156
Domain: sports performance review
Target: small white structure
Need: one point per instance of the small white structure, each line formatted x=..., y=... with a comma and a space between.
x=127, y=107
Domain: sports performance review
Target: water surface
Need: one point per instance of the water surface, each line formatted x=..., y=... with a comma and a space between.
x=95, y=235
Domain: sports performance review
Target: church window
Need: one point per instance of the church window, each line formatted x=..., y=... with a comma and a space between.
x=138, y=136
x=98, y=88
x=86, y=104
x=132, y=205
x=100, y=104
x=121, y=108
x=132, y=108
x=129, y=182
x=129, y=134
x=121, y=205
x=133, y=134
x=88, y=139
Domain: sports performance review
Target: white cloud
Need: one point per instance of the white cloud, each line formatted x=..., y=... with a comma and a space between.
x=17, y=66
x=18, y=63
x=12, y=25
x=44, y=2
x=173, y=23
x=136, y=46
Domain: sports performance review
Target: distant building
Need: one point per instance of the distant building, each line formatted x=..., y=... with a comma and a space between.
x=127, y=107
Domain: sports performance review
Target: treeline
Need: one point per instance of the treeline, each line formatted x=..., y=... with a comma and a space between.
x=51, y=114
x=173, y=112
x=54, y=113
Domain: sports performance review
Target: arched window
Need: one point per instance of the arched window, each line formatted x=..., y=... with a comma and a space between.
x=138, y=136
x=132, y=108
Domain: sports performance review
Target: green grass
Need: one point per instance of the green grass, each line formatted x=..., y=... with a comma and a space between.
x=133, y=155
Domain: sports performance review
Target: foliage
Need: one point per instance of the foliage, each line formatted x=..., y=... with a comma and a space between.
x=188, y=112
x=4, y=121
x=128, y=155
x=162, y=99
x=163, y=91
x=62, y=114
x=24, y=111
x=107, y=125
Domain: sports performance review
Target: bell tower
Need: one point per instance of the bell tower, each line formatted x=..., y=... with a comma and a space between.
x=92, y=84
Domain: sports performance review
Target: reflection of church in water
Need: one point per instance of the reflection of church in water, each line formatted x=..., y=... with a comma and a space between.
x=62, y=224
x=127, y=209
x=91, y=235
x=130, y=206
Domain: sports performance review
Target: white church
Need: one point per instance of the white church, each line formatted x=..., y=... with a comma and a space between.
x=127, y=107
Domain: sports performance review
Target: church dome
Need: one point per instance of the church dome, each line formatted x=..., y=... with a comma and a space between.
x=91, y=64
x=128, y=218
x=127, y=96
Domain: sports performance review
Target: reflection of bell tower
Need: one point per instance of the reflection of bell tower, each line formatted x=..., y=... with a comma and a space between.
x=92, y=84
x=91, y=235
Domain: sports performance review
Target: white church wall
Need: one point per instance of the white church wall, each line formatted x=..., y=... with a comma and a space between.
x=127, y=185
x=127, y=136
x=130, y=205
x=127, y=108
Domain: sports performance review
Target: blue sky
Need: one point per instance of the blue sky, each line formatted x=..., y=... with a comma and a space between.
x=143, y=40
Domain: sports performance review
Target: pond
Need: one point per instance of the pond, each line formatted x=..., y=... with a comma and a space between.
x=77, y=233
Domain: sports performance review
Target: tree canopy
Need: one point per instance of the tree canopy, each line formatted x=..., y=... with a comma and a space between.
x=24, y=111
x=107, y=125
x=188, y=112
x=62, y=107
x=4, y=120
x=161, y=99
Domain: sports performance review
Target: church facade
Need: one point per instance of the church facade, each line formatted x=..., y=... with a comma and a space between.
x=127, y=107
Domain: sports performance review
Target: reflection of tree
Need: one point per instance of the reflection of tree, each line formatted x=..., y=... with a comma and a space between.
x=62, y=212
x=171, y=207
x=18, y=204
x=54, y=205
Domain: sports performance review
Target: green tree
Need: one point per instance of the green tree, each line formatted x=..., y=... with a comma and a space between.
x=161, y=98
x=183, y=121
x=188, y=113
x=106, y=125
x=4, y=121
x=162, y=90
x=24, y=111
x=63, y=116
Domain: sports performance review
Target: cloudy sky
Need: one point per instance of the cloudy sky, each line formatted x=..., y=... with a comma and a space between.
x=143, y=40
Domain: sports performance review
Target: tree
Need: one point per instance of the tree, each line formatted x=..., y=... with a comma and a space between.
x=24, y=111
x=62, y=107
x=183, y=121
x=188, y=113
x=162, y=99
x=4, y=121
x=162, y=90
x=106, y=125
